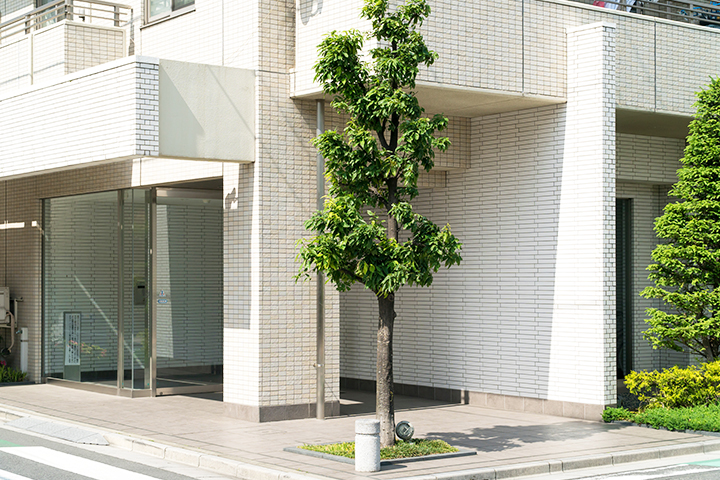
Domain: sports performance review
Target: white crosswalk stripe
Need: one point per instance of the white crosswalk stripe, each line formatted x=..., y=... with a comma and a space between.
x=11, y=476
x=73, y=464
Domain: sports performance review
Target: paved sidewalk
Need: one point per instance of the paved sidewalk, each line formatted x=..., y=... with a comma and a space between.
x=508, y=444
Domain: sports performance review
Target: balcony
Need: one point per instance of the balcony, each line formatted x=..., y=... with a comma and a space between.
x=695, y=13
x=497, y=57
x=129, y=109
x=60, y=38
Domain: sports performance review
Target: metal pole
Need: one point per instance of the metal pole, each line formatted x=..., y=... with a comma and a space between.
x=121, y=293
x=320, y=314
x=151, y=288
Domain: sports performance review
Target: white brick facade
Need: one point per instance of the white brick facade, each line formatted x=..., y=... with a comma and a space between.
x=224, y=93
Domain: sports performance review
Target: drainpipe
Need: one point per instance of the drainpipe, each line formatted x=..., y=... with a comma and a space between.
x=320, y=301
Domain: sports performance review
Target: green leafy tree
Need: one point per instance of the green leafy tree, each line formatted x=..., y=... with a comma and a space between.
x=686, y=271
x=372, y=168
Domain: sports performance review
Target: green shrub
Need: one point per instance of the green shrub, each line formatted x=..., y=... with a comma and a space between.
x=676, y=387
x=9, y=374
x=611, y=413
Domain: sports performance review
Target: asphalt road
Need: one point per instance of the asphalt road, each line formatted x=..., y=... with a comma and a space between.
x=29, y=457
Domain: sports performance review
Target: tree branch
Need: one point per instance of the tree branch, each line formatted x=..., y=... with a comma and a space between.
x=351, y=275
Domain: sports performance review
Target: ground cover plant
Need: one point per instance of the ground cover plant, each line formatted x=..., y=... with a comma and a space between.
x=704, y=418
x=401, y=449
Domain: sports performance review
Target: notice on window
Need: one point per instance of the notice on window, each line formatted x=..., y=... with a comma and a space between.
x=72, y=338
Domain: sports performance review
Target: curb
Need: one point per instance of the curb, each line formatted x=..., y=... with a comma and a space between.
x=250, y=471
x=206, y=461
x=575, y=463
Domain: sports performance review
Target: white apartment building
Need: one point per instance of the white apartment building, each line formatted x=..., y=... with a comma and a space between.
x=156, y=171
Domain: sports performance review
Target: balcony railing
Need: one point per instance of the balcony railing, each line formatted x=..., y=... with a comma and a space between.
x=705, y=13
x=97, y=12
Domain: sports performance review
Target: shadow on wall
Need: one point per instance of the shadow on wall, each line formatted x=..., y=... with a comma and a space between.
x=309, y=8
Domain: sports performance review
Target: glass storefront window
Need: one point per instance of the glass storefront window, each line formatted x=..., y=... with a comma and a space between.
x=81, y=287
x=104, y=320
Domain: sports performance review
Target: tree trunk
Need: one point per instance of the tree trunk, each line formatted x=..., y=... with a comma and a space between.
x=385, y=402
x=709, y=353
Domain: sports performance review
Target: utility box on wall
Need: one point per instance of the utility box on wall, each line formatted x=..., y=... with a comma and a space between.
x=4, y=305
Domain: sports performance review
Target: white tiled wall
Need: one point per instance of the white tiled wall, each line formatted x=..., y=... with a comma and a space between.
x=217, y=32
x=529, y=311
x=645, y=159
x=95, y=126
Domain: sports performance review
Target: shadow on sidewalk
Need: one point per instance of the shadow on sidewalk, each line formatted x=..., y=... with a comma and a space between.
x=357, y=402
x=499, y=438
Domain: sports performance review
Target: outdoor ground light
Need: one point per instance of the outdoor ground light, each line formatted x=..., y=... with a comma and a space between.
x=404, y=430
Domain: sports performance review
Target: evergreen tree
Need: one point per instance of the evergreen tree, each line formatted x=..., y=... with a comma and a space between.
x=687, y=269
x=373, y=168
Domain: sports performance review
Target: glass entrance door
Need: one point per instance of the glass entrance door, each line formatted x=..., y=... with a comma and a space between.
x=623, y=284
x=188, y=290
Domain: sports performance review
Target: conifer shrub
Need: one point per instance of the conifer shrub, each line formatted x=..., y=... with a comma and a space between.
x=686, y=268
